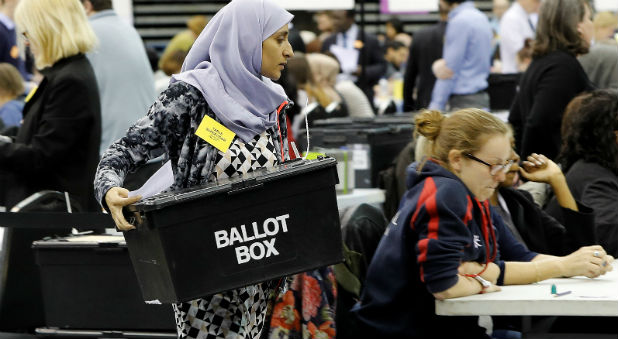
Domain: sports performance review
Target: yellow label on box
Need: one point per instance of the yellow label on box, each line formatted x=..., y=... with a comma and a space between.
x=215, y=134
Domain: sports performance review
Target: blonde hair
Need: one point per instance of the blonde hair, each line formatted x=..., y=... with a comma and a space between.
x=58, y=28
x=11, y=82
x=605, y=19
x=197, y=23
x=465, y=130
x=325, y=70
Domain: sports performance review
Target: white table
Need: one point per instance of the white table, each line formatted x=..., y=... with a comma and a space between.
x=360, y=196
x=589, y=297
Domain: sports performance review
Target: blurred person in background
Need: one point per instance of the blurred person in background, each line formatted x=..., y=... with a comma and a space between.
x=57, y=146
x=124, y=78
x=396, y=56
x=9, y=49
x=183, y=40
x=517, y=25
x=348, y=37
x=601, y=62
x=524, y=56
x=172, y=64
x=316, y=96
x=394, y=32
x=418, y=78
x=11, y=92
x=465, y=65
x=605, y=26
x=553, y=78
x=325, y=28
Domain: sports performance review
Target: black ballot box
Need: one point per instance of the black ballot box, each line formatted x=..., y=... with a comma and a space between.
x=235, y=232
x=374, y=145
x=87, y=282
x=379, y=120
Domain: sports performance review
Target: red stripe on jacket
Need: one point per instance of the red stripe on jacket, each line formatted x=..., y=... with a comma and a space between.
x=466, y=219
x=428, y=199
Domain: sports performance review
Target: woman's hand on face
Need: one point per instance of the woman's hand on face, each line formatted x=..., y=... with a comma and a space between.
x=589, y=261
x=539, y=168
x=116, y=198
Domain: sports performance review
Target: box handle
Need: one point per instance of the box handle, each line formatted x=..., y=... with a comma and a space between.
x=334, y=139
x=245, y=189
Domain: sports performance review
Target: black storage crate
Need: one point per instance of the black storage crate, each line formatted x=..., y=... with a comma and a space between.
x=257, y=227
x=88, y=283
x=374, y=146
x=397, y=119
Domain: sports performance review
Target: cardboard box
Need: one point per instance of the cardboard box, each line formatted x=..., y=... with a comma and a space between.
x=257, y=227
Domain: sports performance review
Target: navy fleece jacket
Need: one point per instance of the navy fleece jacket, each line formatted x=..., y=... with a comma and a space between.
x=438, y=226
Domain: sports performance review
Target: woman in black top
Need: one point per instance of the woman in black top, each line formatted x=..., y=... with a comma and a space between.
x=589, y=156
x=554, y=77
x=57, y=144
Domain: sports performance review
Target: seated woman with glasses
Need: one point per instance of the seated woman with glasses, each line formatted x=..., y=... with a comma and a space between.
x=446, y=241
x=528, y=223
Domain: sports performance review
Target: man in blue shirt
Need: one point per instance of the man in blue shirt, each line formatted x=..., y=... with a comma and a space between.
x=463, y=70
x=124, y=76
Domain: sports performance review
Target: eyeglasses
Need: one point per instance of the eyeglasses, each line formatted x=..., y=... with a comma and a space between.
x=495, y=168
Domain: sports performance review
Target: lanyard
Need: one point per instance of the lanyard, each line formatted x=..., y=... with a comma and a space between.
x=488, y=232
x=283, y=104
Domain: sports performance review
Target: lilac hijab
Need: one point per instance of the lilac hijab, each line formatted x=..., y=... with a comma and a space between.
x=225, y=63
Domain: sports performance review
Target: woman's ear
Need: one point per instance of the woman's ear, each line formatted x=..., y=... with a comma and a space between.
x=455, y=159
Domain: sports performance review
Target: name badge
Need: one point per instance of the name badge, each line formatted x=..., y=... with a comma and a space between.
x=215, y=134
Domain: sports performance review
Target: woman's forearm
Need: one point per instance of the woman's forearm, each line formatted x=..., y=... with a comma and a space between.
x=563, y=193
x=519, y=273
x=465, y=286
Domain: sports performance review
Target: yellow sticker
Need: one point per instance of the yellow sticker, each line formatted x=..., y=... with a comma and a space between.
x=31, y=94
x=215, y=134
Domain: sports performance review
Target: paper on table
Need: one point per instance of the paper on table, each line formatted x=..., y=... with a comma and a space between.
x=162, y=179
x=348, y=58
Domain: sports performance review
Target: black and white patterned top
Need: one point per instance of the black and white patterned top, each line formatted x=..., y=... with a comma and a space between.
x=242, y=158
x=169, y=127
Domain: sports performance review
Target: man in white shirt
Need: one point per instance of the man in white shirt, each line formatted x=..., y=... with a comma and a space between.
x=516, y=25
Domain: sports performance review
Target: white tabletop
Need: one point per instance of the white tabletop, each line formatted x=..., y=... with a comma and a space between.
x=588, y=297
x=360, y=196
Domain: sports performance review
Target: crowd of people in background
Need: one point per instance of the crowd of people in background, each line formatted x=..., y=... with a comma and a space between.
x=73, y=85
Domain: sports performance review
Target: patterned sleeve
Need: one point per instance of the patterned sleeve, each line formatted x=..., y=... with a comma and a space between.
x=161, y=130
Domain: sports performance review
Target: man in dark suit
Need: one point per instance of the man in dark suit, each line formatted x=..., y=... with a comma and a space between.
x=425, y=49
x=348, y=36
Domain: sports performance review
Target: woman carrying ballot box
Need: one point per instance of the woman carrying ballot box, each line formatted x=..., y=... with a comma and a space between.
x=446, y=241
x=222, y=116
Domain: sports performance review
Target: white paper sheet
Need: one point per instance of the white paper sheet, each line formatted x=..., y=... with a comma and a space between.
x=412, y=6
x=162, y=179
x=348, y=58
x=606, y=5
